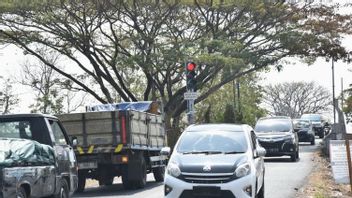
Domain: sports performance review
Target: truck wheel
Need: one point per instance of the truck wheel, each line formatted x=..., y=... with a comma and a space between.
x=126, y=182
x=64, y=192
x=159, y=173
x=142, y=179
x=21, y=193
x=81, y=181
x=106, y=182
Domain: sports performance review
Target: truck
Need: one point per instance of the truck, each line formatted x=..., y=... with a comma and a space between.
x=36, y=157
x=118, y=140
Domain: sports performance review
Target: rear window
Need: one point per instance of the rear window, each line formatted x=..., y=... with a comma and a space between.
x=25, y=128
x=273, y=125
x=301, y=124
x=212, y=141
x=311, y=117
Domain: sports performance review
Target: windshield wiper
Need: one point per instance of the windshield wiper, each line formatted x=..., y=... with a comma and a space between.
x=202, y=152
x=234, y=152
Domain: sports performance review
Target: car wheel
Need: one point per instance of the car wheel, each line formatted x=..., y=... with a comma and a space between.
x=312, y=142
x=21, y=193
x=294, y=156
x=64, y=191
x=261, y=192
x=321, y=135
x=159, y=173
x=81, y=181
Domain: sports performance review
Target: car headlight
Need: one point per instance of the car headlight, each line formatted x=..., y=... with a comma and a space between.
x=243, y=170
x=173, y=169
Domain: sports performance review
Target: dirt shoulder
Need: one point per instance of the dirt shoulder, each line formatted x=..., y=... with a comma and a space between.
x=321, y=184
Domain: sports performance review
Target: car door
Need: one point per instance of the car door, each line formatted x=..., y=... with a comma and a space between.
x=258, y=161
x=66, y=159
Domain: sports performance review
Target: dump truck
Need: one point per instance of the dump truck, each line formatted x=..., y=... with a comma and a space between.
x=122, y=139
x=36, y=157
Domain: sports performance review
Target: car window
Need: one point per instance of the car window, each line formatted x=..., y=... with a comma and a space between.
x=273, y=125
x=312, y=117
x=212, y=141
x=58, y=133
x=15, y=129
x=301, y=124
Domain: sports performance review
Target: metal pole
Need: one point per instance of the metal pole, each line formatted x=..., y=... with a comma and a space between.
x=349, y=160
x=342, y=94
x=333, y=88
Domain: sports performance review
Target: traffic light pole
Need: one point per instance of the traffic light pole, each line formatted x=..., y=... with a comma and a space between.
x=190, y=110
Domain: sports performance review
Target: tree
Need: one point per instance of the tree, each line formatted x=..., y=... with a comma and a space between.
x=116, y=44
x=295, y=98
x=229, y=114
x=7, y=97
x=246, y=109
x=46, y=84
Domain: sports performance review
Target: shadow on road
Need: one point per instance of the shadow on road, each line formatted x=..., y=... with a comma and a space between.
x=114, y=190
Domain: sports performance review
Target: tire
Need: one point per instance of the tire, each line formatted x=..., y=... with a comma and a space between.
x=321, y=135
x=126, y=182
x=142, y=179
x=81, y=181
x=21, y=193
x=106, y=182
x=312, y=142
x=294, y=156
x=64, y=191
x=159, y=173
x=261, y=192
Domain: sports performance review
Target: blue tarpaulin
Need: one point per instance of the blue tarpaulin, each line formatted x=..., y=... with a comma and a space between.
x=144, y=106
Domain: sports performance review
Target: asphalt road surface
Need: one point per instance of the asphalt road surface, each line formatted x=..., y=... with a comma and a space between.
x=283, y=178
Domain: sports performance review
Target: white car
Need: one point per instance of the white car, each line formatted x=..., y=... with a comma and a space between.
x=215, y=160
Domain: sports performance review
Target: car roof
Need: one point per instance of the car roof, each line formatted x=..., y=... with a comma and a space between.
x=28, y=115
x=275, y=117
x=217, y=127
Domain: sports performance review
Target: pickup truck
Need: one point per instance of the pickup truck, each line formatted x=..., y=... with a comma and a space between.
x=118, y=140
x=36, y=157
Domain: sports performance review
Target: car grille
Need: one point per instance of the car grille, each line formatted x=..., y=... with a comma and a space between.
x=224, y=194
x=272, y=145
x=207, y=178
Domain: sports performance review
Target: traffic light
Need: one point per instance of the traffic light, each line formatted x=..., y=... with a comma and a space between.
x=191, y=75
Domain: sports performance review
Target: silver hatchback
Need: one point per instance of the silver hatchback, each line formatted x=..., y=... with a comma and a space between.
x=221, y=160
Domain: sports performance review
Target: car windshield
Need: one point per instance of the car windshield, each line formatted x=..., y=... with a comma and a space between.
x=212, y=142
x=312, y=117
x=301, y=124
x=273, y=125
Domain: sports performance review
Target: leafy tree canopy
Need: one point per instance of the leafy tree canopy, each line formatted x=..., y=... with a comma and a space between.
x=137, y=49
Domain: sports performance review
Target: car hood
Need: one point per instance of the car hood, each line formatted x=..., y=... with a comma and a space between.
x=219, y=163
x=273, y=135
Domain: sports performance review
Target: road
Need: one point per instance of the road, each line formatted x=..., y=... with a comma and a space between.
x=283, y=178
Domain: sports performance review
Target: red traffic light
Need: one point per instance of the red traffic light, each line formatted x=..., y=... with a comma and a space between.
x=191, y=66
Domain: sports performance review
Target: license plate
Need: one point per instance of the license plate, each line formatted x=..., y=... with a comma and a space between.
x=273, y=150
x=204, y=191
x=87, y=165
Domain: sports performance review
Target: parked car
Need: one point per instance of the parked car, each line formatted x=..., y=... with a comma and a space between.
x=277, y=136
x=318, y=122
x=305, y=131
x=216, y=160
x=36, y=157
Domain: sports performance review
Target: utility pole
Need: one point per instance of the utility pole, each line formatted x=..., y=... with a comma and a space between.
x=333, y=88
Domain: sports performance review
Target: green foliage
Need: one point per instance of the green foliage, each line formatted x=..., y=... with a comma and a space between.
x=222, y=103
x=133, y=50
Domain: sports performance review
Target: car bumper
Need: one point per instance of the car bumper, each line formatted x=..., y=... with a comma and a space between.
x=232, y=189
x=305, y=137
x=278, y=148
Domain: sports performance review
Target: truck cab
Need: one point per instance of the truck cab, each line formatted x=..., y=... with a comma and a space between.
x=47, y=168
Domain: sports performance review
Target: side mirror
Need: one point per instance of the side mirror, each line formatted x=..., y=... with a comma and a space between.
x=261, y=152
x=165, y=151
x=74, y=141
